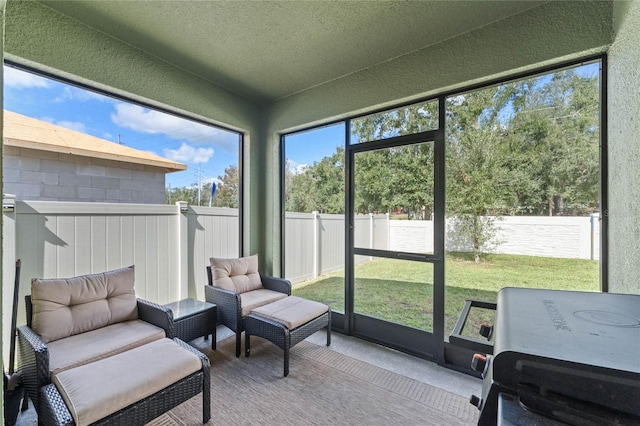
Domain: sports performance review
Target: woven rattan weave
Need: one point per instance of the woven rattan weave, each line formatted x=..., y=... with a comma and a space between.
x=280, y=335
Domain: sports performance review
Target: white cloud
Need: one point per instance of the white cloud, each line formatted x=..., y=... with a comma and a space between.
x=212, y=180
x=187, y=153
x=154, y=122
x=83, y=95
x=296, y=168
x=301, y=169
x=22, y=80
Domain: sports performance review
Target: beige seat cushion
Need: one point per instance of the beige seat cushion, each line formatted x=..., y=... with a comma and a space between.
x=67, y=306
x=256, y=298
x=239, y=275
x=93, y=345
x=94, y=391
x=292, y=311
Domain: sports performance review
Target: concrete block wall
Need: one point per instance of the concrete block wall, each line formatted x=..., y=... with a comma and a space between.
x=47, y=176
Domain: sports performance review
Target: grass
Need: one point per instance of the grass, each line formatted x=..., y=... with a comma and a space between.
x=401, y=291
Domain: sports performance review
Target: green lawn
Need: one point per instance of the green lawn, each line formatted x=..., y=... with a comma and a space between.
x=401, y=291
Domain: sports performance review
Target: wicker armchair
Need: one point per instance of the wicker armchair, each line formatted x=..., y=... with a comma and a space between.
x=236, y=287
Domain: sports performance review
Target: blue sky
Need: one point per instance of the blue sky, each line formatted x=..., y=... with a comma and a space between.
x=188, y=142
x=305, y=148
x=168, y=136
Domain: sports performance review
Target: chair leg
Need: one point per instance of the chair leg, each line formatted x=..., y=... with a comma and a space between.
x=238, y=342
x=206, y=401
x=329, y=329
x=25, y=401
x=286, y=361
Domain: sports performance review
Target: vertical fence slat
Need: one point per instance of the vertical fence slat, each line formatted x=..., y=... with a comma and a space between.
x=65, y=247
x=98, y=243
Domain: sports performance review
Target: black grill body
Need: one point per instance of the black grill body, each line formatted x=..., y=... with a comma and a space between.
x=563, y=357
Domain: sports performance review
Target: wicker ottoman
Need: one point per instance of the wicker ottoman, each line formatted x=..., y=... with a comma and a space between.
x=287, y=322
x=129, y=388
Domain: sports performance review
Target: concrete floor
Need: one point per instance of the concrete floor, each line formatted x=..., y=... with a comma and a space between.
x=416, y=368
x=407, y=365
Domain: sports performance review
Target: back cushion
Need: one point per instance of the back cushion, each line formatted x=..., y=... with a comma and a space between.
x=239, y=275
x=64, y=307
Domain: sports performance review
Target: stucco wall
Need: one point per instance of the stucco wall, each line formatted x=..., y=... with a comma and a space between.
x=624, y=150
x=37, y=175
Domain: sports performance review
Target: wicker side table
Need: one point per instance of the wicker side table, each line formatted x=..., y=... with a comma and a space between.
x=194, y=318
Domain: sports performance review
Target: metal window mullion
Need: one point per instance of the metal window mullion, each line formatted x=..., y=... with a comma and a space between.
x=604, y=183
x=395, y=141
x=439, y=181
x=349, y=194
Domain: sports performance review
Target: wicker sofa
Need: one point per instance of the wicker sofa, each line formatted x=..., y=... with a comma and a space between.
x=92, y=353
x=236, y=287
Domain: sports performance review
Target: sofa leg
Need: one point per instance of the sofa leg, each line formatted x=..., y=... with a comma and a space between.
x=238, y=343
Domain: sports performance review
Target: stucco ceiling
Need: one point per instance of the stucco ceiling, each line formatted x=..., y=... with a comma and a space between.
x=268, y=50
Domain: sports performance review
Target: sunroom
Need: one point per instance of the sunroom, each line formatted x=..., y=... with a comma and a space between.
x=290, y=77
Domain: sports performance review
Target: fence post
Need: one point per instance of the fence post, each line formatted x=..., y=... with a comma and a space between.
x=316, y=244
x=184, y=257
x=388, y=231
x=371, y=246
x=594, y=220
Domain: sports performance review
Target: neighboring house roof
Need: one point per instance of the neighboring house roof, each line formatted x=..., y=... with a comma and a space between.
x=26, y=132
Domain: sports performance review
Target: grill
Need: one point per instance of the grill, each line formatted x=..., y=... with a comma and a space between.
x=561, y=357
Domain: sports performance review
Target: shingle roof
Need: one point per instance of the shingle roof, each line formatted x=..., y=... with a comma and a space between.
x=26, y=132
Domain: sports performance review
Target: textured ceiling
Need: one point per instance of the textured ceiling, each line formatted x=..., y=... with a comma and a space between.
x=268, y=50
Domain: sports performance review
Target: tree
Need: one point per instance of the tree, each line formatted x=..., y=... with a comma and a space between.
x=227, y=189
x=188, y=194
x=400, y=177
x=328, y=179
x=299, y=191
x=319, y=187
x=372, y=182
x=554, y=129
x=395, y=178
x=476, y=181
x=403, y=121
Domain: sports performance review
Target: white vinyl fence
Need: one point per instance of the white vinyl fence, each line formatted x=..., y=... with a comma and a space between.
x=315, y=242
x=170, y=245
x=574, y=237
